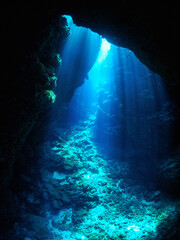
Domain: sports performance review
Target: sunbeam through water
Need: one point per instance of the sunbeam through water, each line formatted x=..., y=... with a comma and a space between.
x=90, y=136
x=110, y=140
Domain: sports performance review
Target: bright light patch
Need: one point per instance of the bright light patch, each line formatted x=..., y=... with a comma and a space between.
x=69, y=19
x=133, y=227
x=105, y=47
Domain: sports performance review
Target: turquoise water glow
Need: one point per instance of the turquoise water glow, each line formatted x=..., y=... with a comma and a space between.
x=113, y=143
x=105, y=47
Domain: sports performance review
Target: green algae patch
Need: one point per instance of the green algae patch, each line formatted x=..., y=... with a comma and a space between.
x=51, y=95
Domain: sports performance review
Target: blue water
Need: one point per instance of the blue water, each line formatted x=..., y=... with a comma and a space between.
x=125, y=97
x=112, y=135
x=95, y=176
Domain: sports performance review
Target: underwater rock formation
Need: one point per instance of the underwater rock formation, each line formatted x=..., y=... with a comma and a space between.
x=149, y=29
x=31, y=35
x=81, y=193
x=27, y=91
x=169, y=174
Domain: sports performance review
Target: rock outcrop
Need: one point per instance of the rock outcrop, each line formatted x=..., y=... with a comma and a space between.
x=169, y=174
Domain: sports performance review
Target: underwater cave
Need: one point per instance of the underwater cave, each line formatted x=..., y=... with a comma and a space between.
x=90, y=145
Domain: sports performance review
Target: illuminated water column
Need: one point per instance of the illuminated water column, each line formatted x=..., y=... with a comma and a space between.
x=142, y=94
x=129, y=100
x=124, y=96
x=78, y=56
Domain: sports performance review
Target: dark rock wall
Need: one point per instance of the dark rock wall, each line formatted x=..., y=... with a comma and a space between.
x=30, y=38
x=31, y=55
x=148, y=28
x=169, y=174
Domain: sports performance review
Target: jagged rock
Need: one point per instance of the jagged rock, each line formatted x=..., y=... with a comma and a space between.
x=38, y=225
x=169, y=174
x=169, y=229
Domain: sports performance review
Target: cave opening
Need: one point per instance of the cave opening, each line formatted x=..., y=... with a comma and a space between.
x=123, y=96
x=98, y=168
x=103, y=180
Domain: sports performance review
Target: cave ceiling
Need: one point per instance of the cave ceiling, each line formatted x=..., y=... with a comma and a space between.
x=149, y=28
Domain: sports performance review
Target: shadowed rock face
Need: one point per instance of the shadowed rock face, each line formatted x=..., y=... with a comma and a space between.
x=149, y=29
x=30, y=38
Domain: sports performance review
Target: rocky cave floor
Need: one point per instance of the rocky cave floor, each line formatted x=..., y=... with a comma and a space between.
x=74, y=191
